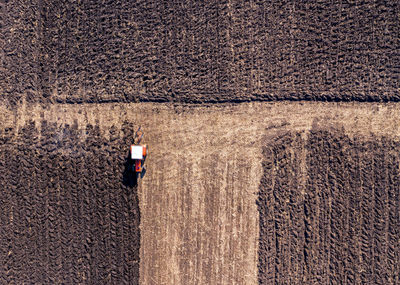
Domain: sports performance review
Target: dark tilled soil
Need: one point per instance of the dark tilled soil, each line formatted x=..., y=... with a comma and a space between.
x=194, y=51
x=329, y=210
x=68, y=207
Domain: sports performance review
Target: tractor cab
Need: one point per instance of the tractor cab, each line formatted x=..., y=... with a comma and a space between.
x=138, y=153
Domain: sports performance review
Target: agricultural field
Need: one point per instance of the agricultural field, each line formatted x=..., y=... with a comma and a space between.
x=194, y=52
x=69, y=207
x=273, y=129
x=329, y=209
x=309, y=198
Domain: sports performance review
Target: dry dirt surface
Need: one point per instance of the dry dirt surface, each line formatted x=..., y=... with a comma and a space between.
x=199, y=51
x=233, y=194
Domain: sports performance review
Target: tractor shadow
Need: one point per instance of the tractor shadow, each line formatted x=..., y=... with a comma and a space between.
x=129, y=178
x=131, y=210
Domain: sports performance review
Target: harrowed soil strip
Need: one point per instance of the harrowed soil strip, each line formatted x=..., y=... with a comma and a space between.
x=70, y=210
x=199, y=52
x=329, y=208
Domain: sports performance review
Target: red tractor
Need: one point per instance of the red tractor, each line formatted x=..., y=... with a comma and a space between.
x=138, y=153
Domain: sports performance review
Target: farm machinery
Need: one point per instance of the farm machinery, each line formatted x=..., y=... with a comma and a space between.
x=138, y=153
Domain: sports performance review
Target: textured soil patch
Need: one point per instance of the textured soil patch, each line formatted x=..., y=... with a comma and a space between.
x=68, y=209
x=329, y=209
x=194, y=52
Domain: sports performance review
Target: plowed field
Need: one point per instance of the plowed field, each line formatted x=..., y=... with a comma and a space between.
x=199, y=51
x=69, y=212
x=233, y=194
x=329, y=209
x=283, y=193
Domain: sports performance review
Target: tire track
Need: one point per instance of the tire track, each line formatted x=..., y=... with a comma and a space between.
x=42, y=192
x=337, y=179
x=5, y=208
x=14, y=255
x=55, y=212
x=353, y=194
x=296, y=213
x=393, y=225
x=94, y=250
x=367, y=173
x=68, y=190
x=26, y=204
x=380, y=212
x=320, y=164
x=315, y=173
x=283, y=179
x=115, y=194
x=81, y=222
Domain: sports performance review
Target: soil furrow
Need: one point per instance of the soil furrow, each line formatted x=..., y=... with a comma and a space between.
x=349, y=208
x=231, y=51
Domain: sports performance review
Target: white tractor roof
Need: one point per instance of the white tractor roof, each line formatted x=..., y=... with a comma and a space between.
x=136, y=152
